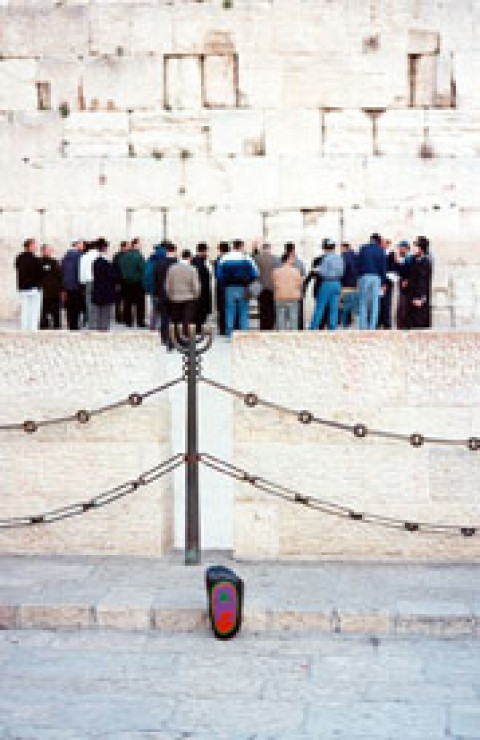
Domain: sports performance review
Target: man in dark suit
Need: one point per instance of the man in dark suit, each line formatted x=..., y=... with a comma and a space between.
x=204, y=303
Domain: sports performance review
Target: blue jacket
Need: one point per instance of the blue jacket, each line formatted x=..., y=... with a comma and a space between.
x=236, y=269
x=151, y=267
x=372, y=261
x=71, y=270
x=350, y=273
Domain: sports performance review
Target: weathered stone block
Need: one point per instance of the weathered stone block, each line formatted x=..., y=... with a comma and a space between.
x=183, y=82
x=293, y=132
x=220, y=81
x=123, y=83
x=143, y=29
x=160, y=134
x=237, y=132
x=142, y=183
x=90, y=134
x=17, y=84
x=34, y=32
x=348, y=132
x=260, y=80
x=307, y=182
x=401, y=132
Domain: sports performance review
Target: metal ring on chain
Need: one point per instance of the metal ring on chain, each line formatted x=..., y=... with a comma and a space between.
x=135, y=399
x=468, y=531
x=305, y=417
x=411, y=527
x=30, y=426
x=251, y=400
x=417, y=440
x=474, y=444
x=83, y=416
x=360, y=431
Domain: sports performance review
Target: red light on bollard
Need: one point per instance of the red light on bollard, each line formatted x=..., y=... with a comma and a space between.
x=225, y=601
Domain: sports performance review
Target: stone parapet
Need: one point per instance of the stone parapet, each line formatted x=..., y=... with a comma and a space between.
x=413, y=382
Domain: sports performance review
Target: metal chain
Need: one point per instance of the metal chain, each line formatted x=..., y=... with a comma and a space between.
x=416, y=440
x=83, y=416
x=330, y=508
x=97, y=502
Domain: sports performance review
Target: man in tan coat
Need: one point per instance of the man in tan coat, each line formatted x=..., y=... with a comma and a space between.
x=287, y=290
x=183, y=289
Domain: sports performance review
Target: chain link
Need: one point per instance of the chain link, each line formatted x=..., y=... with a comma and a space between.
x=330, y=508
x=97, y=502
x=83, y=416
x=361, y=431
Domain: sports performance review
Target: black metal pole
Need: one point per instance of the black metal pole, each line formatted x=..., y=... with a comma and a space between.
x=192, y=506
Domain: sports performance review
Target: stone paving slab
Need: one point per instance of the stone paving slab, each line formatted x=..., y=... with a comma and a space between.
x=52, y=592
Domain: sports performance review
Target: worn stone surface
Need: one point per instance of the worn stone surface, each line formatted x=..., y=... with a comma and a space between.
x=68, y=463
x=244, y=119
x=415, y=383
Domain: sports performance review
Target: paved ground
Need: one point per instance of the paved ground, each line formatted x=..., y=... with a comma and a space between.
x=342, y=598
x=79, y=685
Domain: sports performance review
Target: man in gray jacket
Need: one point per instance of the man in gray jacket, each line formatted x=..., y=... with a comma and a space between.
x=183, y=289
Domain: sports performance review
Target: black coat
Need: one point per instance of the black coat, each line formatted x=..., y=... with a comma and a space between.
x=29, y=271
x=51, y=277
x=419, y=288
x=204, y=305
x=105, y=279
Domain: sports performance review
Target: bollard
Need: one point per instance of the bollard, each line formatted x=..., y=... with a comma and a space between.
x=225, y=601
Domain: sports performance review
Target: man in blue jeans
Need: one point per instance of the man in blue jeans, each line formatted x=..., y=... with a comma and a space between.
x=372, y=277
x=331, y=271
x=235, y=272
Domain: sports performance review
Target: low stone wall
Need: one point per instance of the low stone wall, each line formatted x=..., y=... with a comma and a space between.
x=51, y=374
x=405, y=382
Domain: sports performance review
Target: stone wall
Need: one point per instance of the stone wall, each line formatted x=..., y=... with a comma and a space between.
x=56, y=374
x=275, y=119
x=416, y=382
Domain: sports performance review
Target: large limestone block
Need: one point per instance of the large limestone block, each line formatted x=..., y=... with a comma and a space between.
x=466, y=171
x=123, y=83
x=254, y=182
x=65, y=226
x=147, y=223
x=307, y=182
x=348, y=132
x=260, y=80
x=187, y=226
x=61, y=376
x=140, y=29
x=284, y=226
x=65, y=79
x=142, y=183
x=160, y=134
x=90, y=134
x=423, y=42
x=31, y=135
x=17, y=84
x=467, y=71
x=183, y=77
x=31, y=32
x=417, y=182
x=401, y=132
x=454, y=133
x=293, y=132
x=220, y=81
x=40, y=185
x=237, y=132
x=207, y=182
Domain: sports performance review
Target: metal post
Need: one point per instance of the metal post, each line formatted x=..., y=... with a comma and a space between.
x=192, y=507
x=192, y=347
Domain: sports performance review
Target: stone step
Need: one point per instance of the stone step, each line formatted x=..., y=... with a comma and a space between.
x=375, y=599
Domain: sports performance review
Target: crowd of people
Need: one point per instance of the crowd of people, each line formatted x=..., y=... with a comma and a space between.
x=350, y=288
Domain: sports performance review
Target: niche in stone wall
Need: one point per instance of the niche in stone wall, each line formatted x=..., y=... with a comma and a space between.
x=430, y=74
x=44, y=96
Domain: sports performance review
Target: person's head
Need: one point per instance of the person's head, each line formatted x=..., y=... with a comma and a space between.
x=186, y=255
x=136, y=244
x=422, y=246
x=79, y=245
x=266, y=247
x=289, y=248
x=223, y=248
x=30, y=245
x=386, y=244
x=202, y=249
x=46, y=250
x=328, y=245
x=403, y=248
x=102, y=245
x=124, y=246
x=376, y=238
x=345, y=247
x=171, y=249
x=238, y=245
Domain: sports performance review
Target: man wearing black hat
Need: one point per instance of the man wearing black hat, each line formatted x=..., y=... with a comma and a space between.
x=419, y=286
